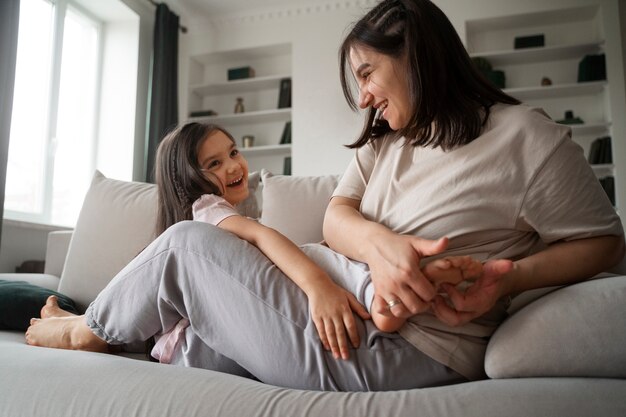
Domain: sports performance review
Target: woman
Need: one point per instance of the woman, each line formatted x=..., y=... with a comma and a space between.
x=468, y=170
x=445, y=153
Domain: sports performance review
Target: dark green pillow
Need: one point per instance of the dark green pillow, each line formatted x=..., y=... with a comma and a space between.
x=21, y=301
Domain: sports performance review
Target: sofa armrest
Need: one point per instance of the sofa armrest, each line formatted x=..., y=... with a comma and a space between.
x=56, y=251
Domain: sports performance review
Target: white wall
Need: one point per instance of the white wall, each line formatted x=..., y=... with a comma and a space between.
x=322, y=121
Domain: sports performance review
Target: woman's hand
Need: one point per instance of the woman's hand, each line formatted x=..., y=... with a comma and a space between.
x=332, y=310
x=394, y=262
x=477, y=299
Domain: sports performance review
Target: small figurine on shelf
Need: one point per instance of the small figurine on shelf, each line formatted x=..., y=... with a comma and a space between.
x=239, y=105
x=545, y=81
x=570, y=119
x=248, y=141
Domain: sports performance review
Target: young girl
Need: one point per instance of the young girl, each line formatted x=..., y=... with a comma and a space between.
x=202, y=176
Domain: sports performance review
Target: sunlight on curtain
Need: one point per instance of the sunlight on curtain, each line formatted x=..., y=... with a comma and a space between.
x=27, y=146
x=74, y=158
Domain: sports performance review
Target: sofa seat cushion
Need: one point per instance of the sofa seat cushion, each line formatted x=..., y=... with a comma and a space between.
x=579, y=330
x=60, y=383
x=20, y=301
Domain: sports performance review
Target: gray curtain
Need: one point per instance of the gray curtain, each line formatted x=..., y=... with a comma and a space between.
x=9, y=22
x=164, y=91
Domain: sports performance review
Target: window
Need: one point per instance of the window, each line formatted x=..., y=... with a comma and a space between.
x=66, y=100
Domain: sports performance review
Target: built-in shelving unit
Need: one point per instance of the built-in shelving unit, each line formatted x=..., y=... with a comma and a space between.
x=210, y=89
x=570, y=35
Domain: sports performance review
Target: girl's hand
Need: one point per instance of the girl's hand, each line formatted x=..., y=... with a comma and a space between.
x=394, y=262
x=332, y=310
x=477, y=299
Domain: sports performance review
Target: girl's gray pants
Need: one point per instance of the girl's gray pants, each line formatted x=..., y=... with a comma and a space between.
x=247, y=318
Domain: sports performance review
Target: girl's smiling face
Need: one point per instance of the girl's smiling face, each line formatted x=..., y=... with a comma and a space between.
x=222, y=163
x=382, y=85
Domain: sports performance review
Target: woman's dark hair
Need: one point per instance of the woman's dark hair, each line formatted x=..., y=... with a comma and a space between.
x=445, y=87
x=179, y=177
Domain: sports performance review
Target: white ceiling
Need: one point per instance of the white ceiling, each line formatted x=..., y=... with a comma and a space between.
x=210, y=8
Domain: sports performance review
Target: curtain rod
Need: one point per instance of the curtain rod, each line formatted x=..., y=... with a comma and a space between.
x=181, y=27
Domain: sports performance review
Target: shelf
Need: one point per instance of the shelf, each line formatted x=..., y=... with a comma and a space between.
x=246, y=54
x=262, y=116
x=555, y=91
x=603, y=170
x=266, y=150
x=540, y=54
x=239, y=86
x=591, y=128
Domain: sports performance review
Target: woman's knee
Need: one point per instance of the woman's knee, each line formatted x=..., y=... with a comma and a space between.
x=189, y=233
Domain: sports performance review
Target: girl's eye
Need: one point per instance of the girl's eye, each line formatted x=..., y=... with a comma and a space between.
x=213, y=164
x=234, y=152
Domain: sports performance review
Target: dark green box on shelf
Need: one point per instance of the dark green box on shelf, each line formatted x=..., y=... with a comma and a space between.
x=240, y=73
x=531, y=41
x=592, y=68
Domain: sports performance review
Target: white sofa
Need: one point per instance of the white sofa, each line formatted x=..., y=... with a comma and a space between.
x=563, y=354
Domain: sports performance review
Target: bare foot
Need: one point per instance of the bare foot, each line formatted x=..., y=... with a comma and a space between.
x=382, y=317
x=70, y=332
x=52, y=309
x=452, y=270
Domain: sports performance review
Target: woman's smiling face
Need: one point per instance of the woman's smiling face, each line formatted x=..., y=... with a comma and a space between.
x=382, y=85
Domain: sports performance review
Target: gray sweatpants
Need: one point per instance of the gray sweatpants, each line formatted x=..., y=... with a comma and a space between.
x=247, y=318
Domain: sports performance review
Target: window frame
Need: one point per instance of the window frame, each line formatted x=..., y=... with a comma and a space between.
x=60, y=9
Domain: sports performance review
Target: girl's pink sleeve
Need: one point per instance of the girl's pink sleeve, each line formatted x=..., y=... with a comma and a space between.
x=212, y=209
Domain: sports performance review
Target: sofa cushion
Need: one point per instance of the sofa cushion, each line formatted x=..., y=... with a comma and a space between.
x=20, y=301
x=250, y=206
x=117, y=220
x=579, y=330
x=295, y=206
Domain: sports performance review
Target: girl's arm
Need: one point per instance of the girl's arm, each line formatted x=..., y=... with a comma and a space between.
x=331, y=306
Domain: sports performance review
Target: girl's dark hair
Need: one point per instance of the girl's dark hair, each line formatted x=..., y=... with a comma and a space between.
x=445, y=87
x=179, y=178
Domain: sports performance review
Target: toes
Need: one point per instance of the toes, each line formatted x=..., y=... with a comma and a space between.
x=52, y=301
x=34, y=321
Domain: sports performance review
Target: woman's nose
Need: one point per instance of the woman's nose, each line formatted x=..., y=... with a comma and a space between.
x=365, y=97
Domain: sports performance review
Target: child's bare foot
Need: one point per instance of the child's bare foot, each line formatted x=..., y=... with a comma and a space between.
x=382, y=317
x=452, y=270
x=52, y=309
x=69, y=332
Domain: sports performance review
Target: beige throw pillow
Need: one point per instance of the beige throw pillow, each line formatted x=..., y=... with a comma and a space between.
x=115, y=223
x=295, y=206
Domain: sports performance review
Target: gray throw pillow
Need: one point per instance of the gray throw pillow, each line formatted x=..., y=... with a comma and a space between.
x=579, y=330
